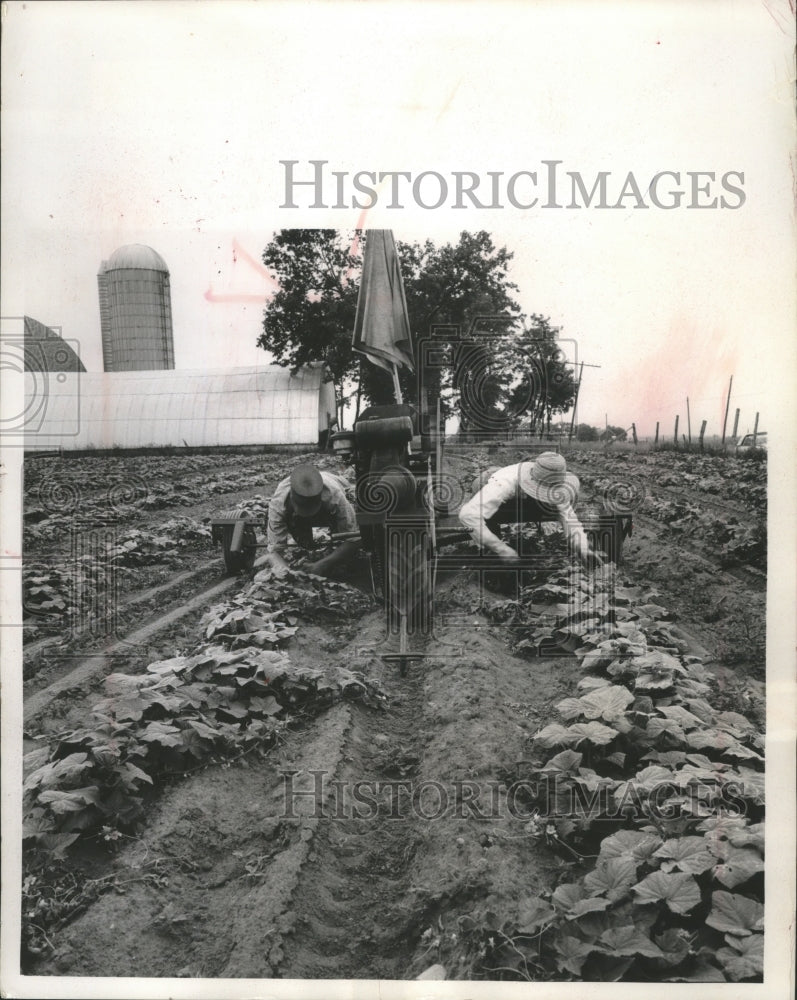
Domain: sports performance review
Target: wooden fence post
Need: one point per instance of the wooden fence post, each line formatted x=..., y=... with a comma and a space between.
x=688, y=421
x=735, y=424
x=633, y=431
x=755, y=429
x=675, y=436
x=657, y=433
x=702, y=432
x=727, y=407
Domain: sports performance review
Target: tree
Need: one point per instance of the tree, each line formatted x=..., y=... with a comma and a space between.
x=311, y=318
x=614, y=434
x=585, y=432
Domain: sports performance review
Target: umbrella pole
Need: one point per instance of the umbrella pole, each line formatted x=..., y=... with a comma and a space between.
x=397, y=391
x=396, y=386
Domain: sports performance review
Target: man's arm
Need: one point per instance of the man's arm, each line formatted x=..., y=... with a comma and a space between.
x=277, y=531
x=342, y=554
x=576, y=537
x=344, y=520
x=481, y=507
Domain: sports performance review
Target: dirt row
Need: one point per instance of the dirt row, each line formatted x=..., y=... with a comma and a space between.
x=241, y=873
x=357, y=847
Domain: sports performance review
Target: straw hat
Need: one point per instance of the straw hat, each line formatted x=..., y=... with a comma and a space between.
x=306, y=489
x=546, y=479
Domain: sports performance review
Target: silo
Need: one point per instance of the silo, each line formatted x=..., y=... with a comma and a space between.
x=135, y=310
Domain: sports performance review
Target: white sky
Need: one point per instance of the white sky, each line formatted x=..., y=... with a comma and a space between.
x=164, y=124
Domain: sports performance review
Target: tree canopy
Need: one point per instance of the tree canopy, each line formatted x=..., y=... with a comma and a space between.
x=311, y=319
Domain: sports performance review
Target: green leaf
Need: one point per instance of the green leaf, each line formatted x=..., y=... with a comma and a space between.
x=592, y=732
x=612, y=877
x=569, y=708
x=564, y=762
x=533, y=914
x=268, y=705
x=689, y=854
x=134, y=774
x=608, y=703
x=752, y=785
x=628, y=940
x=680, y=715
x=735, y=914
x=589, y=905
x=202, y=729
x=34, y=760
x=59, y=772
x=131, y=707
x=554, y=735
x=724, y=832
x=674, y=945
x=566, y=896
x=591, y=683
x=745, y=958
x=72, y=801
x=57, y=843
x=657, y=727
x=738, y=866
x=701, y=708
x=679, y=891
x=160, y=732
x=571, y=953
x=640, y=846
x=701, y=972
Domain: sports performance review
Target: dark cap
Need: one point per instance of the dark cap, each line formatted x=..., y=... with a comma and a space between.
x=306, y=489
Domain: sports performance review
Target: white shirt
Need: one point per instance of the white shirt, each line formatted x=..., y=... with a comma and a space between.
x=503, y=485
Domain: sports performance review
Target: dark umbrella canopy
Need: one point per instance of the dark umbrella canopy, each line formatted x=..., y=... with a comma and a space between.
x=382, y=327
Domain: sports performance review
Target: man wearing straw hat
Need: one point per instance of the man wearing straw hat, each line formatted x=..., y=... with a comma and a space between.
x=542, y=490
x=308, y=499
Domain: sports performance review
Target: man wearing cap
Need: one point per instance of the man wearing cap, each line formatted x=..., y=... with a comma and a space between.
x=529, y=491
x=310, y=499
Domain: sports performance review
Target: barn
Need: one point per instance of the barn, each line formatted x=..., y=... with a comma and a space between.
x=258, y=405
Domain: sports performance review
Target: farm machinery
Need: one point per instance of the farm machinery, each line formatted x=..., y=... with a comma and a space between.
x=403, y=517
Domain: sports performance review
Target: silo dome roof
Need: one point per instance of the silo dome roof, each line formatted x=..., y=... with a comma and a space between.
x=136, y=255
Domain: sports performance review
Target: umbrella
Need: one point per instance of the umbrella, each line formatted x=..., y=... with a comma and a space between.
x=382, y=327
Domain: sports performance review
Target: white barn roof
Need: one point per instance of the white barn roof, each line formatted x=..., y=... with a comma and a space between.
x=258, y=405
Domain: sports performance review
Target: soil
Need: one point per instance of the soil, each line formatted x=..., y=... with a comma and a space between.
x=354, y=848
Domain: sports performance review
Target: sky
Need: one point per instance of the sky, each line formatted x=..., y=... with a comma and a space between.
x=165, y=124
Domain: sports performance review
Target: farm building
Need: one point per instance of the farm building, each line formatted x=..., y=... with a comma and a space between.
x=47, y=351
x=259, y=405
x=135, y=310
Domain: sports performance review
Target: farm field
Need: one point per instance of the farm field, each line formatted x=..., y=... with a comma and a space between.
x=227, y=780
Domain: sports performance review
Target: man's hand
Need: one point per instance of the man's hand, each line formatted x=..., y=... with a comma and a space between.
x=508, y=555
x=277, y=564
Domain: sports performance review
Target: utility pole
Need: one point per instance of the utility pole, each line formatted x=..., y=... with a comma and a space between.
x=727, y=407
x=575, y=401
